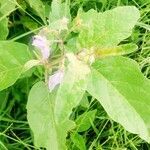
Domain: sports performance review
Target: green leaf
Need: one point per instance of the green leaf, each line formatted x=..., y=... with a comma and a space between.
x=40, y=116
x=118, y=84
x=38, y=7
x=59, y=10
x=108, y=29
x=75, y=85
x=31, y=63
x=6, y=7
x=85, y=102
x=48, y=113
x=55, y=10
x=29, y=23
x=13, y=56
x=78, y=141
x=4, y=29
x=84, y=121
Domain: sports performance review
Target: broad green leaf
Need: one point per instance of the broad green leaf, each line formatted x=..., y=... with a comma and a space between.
x=118, y=84
x=78, y=141
x=48, y=113
x=13, y=56
x=41, y=117
x=108, y=29
x=118, y=50
x=84, y=121
x=38, y=7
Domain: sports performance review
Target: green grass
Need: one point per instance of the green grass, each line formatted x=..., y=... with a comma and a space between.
x=104, y=134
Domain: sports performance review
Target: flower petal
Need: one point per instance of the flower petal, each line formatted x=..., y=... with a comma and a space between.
x=42, y=44
x=55, y=79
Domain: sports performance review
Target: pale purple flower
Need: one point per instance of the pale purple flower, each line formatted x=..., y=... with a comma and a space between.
x=42, y=44
x=55, y=79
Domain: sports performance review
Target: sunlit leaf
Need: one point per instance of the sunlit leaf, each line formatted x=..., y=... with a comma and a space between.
x=48, y=112
x=13, y=56
x=59, y=10
x=118, y=84
x=108, y=29
x=6, y=7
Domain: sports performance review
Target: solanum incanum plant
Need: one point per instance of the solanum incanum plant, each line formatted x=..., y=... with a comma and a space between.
x=80, y=55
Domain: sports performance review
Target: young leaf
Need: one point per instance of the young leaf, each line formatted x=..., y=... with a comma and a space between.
x=118, y=84
x=48, y=113
x=108, y=29
x=13, y=56
x=118, y=50
x=84, y=121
